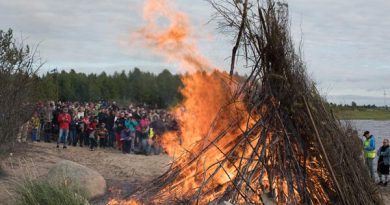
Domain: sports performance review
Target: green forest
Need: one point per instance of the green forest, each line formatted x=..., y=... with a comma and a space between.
x=133, y=86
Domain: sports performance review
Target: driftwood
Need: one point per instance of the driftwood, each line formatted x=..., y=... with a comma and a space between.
x=283, y=145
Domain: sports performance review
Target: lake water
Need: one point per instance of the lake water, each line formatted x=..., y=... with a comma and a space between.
x=380, y=129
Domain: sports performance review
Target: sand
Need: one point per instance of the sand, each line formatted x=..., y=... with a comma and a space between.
x=123, y=172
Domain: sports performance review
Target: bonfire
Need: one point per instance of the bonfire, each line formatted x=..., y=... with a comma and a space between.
x=266, y=139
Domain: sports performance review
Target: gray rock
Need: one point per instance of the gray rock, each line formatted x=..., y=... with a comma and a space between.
x=79, y=177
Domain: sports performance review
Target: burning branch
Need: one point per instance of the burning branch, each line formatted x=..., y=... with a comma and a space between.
x=269, y=137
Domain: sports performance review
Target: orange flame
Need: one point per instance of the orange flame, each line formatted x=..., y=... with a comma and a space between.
x=174, y=41
x=210, y=124
x=205, y=111
x=118, y=202
x=206, y=96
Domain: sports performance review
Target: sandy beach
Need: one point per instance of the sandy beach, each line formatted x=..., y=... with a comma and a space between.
x=122, y=172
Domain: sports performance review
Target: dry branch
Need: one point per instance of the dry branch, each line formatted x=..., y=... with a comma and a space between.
x=290, y=148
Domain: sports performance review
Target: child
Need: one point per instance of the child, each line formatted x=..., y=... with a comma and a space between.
x=126, y=140
x=102, y=134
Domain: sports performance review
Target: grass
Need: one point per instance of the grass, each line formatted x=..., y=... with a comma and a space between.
x=37, y=192
x=367, y=114
x=29, y=189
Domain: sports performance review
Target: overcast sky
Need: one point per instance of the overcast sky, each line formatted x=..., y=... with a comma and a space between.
x=346, y=43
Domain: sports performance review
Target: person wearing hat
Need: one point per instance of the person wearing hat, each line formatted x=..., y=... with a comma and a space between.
x=369, y=152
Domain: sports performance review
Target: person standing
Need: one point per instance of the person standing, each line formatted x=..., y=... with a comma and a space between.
x=73, y=131
x=102, y=134
x=92, y=134
x=35, y=125
x=383, y=162
x=64, y=120
x=81, y=133
x=110, y=127
x=48, y=118
x=369, y=152
x=131, y=124
x=55, y=124
x=86, y=121
x=144, y=127
x=119, y=126
x=158, y=128
x=126, y=140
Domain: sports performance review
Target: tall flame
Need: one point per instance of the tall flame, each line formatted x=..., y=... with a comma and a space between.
x=204, y=93
x=205, y=89
x=212, y=125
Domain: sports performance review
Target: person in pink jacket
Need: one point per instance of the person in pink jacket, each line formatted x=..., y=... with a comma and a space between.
x=143, y=126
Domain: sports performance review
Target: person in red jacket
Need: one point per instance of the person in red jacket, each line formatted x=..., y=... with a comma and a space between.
x=64, y=120
x=91, y=133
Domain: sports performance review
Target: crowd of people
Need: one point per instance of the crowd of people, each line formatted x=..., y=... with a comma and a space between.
x=383, y=153
x=132, y=129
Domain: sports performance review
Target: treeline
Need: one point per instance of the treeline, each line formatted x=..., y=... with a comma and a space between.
x=134, y=86
x=353, y=105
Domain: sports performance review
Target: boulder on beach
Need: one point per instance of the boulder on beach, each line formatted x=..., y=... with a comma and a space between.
x=78, y=176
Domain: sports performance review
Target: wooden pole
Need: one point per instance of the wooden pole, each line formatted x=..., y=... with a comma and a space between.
x=322, y=149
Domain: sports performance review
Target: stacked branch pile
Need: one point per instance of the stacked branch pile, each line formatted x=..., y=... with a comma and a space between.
x=291, y=149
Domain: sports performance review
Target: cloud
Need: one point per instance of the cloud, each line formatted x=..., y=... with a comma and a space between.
x=346, y=44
